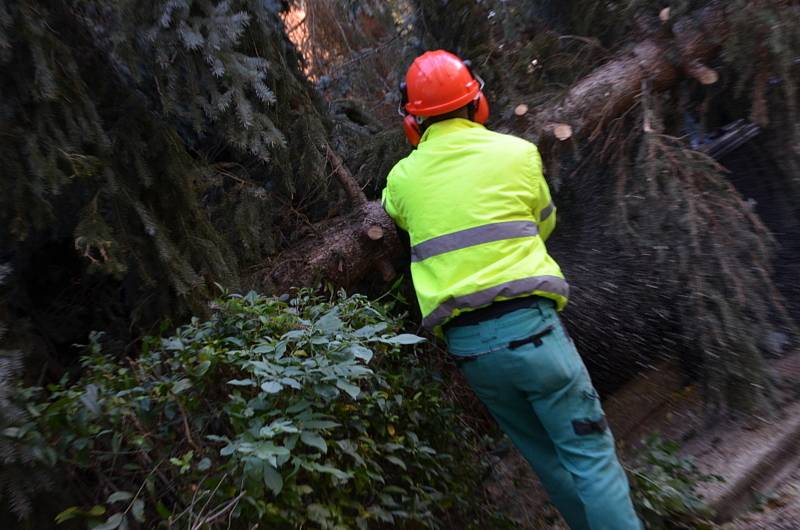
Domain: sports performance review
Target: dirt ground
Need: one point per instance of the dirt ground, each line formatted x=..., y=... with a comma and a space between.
x=779, y=510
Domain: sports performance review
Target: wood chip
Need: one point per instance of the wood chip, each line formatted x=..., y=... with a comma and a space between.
x=375, y=232
x=709, y=77
x=701, y=72
x=562, y=131
x=664, y=14
x=521, y=109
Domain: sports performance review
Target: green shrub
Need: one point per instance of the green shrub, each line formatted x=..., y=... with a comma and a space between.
x=664, y=487
x=287, y=413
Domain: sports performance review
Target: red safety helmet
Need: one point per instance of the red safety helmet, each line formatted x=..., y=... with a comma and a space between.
x=438, y=82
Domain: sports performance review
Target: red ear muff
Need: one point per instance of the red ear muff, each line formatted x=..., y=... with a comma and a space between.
x=481, y=113
x=412, y=129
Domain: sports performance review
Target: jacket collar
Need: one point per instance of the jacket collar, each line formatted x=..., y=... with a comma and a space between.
x=441, y=128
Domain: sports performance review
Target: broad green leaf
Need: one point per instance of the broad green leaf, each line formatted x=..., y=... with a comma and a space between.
x=112, y=523
x=118, y=496
x=137, y=509
x=330, y=322
x=314, y=440
x=360, y=352
x=90, y=399
x=405, y=338
x=172, y=344
x=242, y=382
x=11, y=432
x=298, y=407
x=202, y=368
x=288, y=381
x=320, y=424
x=371, y=330
x=264, y=348
x=181, y=386
x=326, y=392
x=396, y=461
x=251, y=297
x=271, y=387
x=338, y=473
x=96, y=511
x=277, y=427
x=163, y=511
x=204, y=464
x=352, y=390
x=268, y=450
x=236, y=341
x=69, y=513
x=304, y=489
x=273, y=479
x=319, y=514
x=294, y=334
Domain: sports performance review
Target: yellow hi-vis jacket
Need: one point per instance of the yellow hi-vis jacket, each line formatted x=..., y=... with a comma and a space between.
x=478, y=211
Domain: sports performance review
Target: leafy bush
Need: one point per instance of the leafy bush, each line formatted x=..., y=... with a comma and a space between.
x=286, y=413
x=664, y=487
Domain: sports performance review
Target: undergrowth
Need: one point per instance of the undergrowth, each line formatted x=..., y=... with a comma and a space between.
x=664, y=487
x=285, y=413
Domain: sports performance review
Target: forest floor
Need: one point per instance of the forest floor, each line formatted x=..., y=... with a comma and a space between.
x=757, y=458
x=779, y=509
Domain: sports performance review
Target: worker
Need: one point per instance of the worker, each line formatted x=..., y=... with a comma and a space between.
x=478, y=212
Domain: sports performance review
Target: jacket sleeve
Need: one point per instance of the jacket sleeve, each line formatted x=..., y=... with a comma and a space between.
x=544, y=210
x=388, y=204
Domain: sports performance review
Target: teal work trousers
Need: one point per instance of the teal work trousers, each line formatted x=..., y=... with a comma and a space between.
x=541, y=396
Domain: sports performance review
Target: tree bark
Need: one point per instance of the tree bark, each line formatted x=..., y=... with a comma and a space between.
x=662, y=59
x=347, y=248
x=344, y=251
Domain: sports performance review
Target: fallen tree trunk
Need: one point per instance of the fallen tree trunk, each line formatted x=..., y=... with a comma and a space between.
x=345, y=249
x=342, y=250
x=674, y=51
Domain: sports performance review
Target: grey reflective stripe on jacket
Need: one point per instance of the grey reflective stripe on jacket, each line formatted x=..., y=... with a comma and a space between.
x=546, y=284
x=546, y=211
x=471, y=237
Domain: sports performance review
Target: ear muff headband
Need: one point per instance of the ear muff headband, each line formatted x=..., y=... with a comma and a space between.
x=481, y=104
x=481, y=113
x=411, y=127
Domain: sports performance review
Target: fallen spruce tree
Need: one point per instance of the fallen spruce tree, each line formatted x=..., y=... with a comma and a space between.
x=647, y=224
x=584, y=112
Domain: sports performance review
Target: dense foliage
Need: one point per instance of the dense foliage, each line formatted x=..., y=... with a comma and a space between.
x=282, y=412
x=20, y=475
x=664, y=486
x=146, y=148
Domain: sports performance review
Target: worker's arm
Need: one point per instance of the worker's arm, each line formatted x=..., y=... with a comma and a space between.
x=391, y=209
x=543, y=208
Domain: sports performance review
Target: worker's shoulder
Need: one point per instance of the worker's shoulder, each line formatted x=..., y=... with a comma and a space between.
x=509, y=141
x=401, y=168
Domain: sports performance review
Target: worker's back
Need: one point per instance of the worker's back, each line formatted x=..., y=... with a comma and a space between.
x=477, y=210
